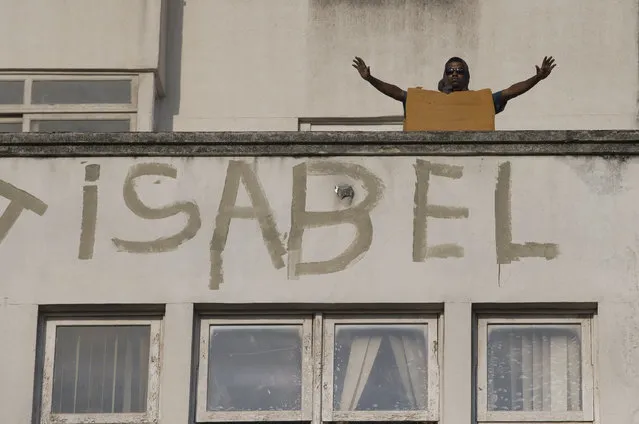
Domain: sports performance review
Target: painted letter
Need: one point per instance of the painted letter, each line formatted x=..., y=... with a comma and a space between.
x=133, y=202
x=20, y=200
x=89, y=212
x=507, y=251
x=260, y=210
x=422, y=210
x=358, y=215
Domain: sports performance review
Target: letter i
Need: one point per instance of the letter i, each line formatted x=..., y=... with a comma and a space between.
x=89, y=212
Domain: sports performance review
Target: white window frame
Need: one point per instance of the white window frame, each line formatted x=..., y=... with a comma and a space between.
x=28, y=107
x=304, y=414
x=381, y=124
x=148, y=417
x=11, y=120
x=26, y=121
x=432, y=346
x=587, y=379
x=142, y=103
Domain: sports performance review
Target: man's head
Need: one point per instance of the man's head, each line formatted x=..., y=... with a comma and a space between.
x=456, y=76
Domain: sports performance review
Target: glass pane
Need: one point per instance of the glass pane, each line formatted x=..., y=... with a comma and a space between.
x=11, y=92
x=8, y=127
x=81, y=125
x=380, y=367
x=81, y=92
x=100, y=369
x=534, y=367
x=255, y=368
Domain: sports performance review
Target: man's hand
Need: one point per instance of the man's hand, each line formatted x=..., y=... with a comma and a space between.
x=546, y=67
x=360, y=65
x=388, y=89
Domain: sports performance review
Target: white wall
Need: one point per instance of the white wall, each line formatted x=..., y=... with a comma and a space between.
x=79, y=34
x=586, y=206
x=255, y=65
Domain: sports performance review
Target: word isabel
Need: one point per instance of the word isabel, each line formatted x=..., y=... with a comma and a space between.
x=242, y=173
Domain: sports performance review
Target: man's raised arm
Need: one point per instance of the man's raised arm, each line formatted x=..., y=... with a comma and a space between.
x=389, y=89
x=521, y=87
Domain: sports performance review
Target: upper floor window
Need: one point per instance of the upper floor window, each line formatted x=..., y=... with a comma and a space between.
x=381, y=123
x=74, y=102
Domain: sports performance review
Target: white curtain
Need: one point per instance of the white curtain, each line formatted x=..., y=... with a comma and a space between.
x=101, y=369
x=360, y=363
x=535, y=371
x=411, y=363
x=409, y=355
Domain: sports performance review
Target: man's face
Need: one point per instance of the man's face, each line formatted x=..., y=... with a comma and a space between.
x=456, y=75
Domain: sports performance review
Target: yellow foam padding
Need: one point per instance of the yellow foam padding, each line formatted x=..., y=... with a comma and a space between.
x=428, y=110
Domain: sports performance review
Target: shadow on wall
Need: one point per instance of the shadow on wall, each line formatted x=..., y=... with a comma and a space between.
x=169, y=106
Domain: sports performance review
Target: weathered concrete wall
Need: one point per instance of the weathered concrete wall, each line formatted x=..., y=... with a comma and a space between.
x=261, y=66
x=76, y=34
x=583, y=208
x=156, y=235
x=242, y=65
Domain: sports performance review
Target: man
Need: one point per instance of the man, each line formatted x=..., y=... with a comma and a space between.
x=456, y=78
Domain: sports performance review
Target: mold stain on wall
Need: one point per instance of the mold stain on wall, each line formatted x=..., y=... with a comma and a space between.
x=401, y=38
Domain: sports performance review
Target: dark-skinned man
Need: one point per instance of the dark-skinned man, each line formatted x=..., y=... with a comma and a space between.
x=456, y=78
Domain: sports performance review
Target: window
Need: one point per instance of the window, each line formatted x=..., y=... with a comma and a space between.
x=101, y=371
x=251, y=368
x=535, y=369
x=381, y=369
x=74, y=102
x=8, y=125
x=382, y=123
x=81, y=123
x=370, y=369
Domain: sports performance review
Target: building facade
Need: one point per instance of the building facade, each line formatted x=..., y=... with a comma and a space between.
x=282, y=65
x=222, y=243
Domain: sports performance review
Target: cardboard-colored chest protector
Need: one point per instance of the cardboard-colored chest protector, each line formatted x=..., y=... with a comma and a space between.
x=428, y=110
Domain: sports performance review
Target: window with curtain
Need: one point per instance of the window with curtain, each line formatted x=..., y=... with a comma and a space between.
x=536, y=370
x=381, y=369
x=102, y=371
x=303, y=368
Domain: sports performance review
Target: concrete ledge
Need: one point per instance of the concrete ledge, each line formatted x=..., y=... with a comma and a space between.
x=498, y=143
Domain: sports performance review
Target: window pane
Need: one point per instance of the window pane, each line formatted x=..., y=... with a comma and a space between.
x=7, y=127
x=81, y=125
x=81, y=92
x=11, y=92
x=380, y=367
x=100, y=369
x=255, y=368
x=534, y=367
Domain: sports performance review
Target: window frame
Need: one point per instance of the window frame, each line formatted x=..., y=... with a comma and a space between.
x=587, y=370
x=27, y=118
x=153, y=389
x=304, y=414
x=433, y=348
x=12, y=120
x=141, y=106
x=392, y=123
x=28, y=78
